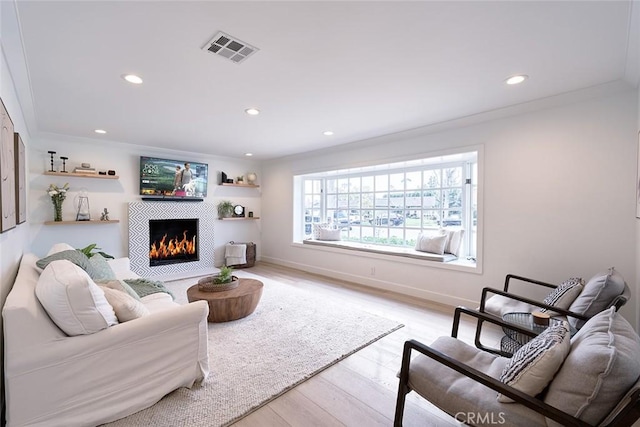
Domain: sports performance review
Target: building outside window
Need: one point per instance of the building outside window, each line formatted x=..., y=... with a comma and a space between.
x=390, y=204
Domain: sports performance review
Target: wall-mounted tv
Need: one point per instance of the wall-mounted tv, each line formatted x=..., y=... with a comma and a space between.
x=166, y=179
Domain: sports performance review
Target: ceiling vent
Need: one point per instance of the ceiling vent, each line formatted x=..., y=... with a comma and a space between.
x=229, y=47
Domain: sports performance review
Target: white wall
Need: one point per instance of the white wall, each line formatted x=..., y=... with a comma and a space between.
x=558, y=200
x=15, y=241
x=636, y=289
x=115, y=195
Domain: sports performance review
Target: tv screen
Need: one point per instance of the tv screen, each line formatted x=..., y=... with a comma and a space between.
x=172, y=179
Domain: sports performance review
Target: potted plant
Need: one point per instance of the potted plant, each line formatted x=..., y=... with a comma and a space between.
x=225, y=209
x=223, y=281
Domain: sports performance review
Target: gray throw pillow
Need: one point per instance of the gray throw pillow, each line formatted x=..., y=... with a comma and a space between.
x=597, y=295
x=101, y=268
x=601, y=367
x=74, y=256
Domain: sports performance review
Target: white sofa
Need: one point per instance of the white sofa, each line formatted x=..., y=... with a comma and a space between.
x=52, y=379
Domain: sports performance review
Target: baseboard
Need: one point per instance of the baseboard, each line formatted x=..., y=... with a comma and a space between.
x=375, y=283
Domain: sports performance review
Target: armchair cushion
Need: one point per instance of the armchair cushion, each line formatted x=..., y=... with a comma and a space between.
x=499, y=305
x=533, y=366
x=597, y=295
x=460, y=395
x=602, y=365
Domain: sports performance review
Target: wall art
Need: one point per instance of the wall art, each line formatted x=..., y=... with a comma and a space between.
x=7, y=172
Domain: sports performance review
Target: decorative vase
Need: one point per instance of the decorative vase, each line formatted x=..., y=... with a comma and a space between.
x=57, y=210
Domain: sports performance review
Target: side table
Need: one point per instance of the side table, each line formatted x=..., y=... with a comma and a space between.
x=229, y=305
x=513, y=340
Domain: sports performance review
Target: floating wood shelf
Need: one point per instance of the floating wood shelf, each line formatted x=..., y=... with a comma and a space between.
x=82, y=175
x=111, y=221
x=240, y=185
x=239, y=218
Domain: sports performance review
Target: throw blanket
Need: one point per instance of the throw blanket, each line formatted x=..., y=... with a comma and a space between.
x=144, y=287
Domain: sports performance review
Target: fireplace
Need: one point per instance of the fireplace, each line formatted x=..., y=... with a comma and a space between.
x=173, y=241
x=141, y=214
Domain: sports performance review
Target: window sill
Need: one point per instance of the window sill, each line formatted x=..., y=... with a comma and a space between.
x=397, y=254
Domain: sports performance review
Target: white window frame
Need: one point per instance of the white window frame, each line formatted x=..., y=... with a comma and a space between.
x=470, y=158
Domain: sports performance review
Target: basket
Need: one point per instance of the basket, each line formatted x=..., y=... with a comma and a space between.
x=206, y=284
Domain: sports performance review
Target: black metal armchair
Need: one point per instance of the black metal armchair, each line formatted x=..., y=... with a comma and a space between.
x=463, y=381
x=500, y=302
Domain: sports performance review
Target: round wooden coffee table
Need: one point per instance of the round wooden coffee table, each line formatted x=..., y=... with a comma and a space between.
x=232, y=304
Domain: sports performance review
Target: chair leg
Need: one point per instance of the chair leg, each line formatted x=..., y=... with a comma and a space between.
x=403, y=385
x=403, y=389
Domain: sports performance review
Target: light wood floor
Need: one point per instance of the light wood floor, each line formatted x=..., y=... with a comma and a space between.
x=361, y=389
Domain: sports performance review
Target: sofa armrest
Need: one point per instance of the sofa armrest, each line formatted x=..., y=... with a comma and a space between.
x=110, y=374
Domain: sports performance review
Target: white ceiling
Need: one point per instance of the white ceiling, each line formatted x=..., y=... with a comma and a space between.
x=361, y=69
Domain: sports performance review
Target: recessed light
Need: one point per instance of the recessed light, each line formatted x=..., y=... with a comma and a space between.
x=327, y=133
x=252, y=111
x=132, y=78
x=248, y=154
x=514, y=80
x=101, y=131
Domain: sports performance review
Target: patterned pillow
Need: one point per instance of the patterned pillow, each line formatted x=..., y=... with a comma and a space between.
x=532, y=367
x=564, y=294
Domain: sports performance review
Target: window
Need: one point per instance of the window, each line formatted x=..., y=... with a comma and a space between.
x=390, y=204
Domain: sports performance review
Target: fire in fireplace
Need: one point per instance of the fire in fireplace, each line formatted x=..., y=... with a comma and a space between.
x=173, y=241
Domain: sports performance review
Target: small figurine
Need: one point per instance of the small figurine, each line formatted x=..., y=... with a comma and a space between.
x=105, y=215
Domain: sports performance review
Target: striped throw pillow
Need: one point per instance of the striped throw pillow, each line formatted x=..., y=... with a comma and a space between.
x=564, y=295
x=533, y=366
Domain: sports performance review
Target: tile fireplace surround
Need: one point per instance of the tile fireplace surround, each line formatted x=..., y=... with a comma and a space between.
x=139, y=215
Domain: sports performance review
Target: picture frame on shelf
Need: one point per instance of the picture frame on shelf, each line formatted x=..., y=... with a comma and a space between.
x=7, y=172
x=21, y=179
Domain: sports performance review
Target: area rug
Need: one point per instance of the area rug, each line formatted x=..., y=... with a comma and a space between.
x=293, y=335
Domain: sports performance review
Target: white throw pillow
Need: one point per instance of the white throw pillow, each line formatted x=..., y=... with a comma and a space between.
x=454, y=242
x=126, y=307
x=533, y=367
x=434, y=244
x=59, y=247
x=319, y=226
x=72, y=300
x=329, y=234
